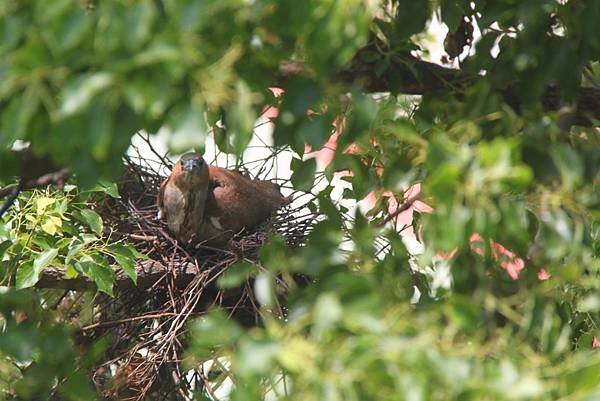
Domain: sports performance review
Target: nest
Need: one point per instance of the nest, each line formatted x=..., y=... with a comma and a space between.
x=145, y=328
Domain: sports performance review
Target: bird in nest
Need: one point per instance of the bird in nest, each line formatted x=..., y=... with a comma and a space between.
x=204, y=203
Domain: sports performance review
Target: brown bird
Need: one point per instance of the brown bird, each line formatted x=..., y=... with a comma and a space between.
x=207, y=203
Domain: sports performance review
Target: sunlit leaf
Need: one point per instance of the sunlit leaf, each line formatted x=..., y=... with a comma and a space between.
x=43, y=203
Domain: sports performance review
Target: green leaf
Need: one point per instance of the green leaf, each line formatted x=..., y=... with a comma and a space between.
x=303, y=175
x=264, y=289
x=464, y=313
x=328, y=311
x=239, y=119
x=104, y=278
x=335, y=31
x=66, y=27
x=362, y=117
x=109, y=188
x=213, y=330
x=188, y=128
x=443, y=182
x=93, y=220
x=126, y=256
x=590, y=303
x=44, y=259
x=42, y=204
x=128, y=266
x=102, y=274
x=411, y=17
x=29, y=273
x=77, y=387
x=236, y=274
x=4, y=246
x=584, y=374
x=74, y=248
x=452, y=13
x=316, y=130
x=302, y=94
x=51, y=225
x=81, y=92
x=568, y=163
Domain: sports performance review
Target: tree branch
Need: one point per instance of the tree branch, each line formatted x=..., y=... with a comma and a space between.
x=56, y=177
x=148, y=272
x=14, y=192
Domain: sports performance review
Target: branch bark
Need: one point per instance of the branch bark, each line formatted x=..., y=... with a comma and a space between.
x=148, y=271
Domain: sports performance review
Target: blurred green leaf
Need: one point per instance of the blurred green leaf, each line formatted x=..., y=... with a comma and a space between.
x=568, y=163
x=236, y=274
x=240, y=118
x=214, y=330
x=264, y=289
x=328, y=311
x=188, y=128
x=303, y=174
x=411, y=17
x=80, y=93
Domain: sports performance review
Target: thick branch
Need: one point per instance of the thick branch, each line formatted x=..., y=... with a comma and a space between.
x=148, y=271
x=407, y=74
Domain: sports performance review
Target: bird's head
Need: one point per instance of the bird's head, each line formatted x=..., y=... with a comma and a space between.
x=191, y=170
x=192, y=163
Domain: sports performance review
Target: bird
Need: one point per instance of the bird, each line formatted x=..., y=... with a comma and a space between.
x=210, y=204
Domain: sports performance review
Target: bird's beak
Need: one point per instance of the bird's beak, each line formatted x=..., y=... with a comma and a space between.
x=192, y=164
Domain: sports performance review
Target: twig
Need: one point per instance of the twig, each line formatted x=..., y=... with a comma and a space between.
x=143, y=237
x=163, y=159
x=129, y=319
x=14, y=193
x=405, y=206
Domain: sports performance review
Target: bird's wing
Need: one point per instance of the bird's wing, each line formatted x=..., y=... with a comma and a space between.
x=221, y=187
x=239, y=201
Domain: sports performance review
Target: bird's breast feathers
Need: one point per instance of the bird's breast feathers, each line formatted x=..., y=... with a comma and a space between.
x=174, y=205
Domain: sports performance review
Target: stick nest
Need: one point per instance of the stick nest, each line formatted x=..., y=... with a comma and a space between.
x=145, y=328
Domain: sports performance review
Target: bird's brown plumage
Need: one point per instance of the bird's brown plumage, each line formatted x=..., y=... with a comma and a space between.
x=233, y=203
x=182, y=196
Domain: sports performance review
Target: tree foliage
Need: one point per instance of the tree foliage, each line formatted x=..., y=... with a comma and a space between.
x=506, y=149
